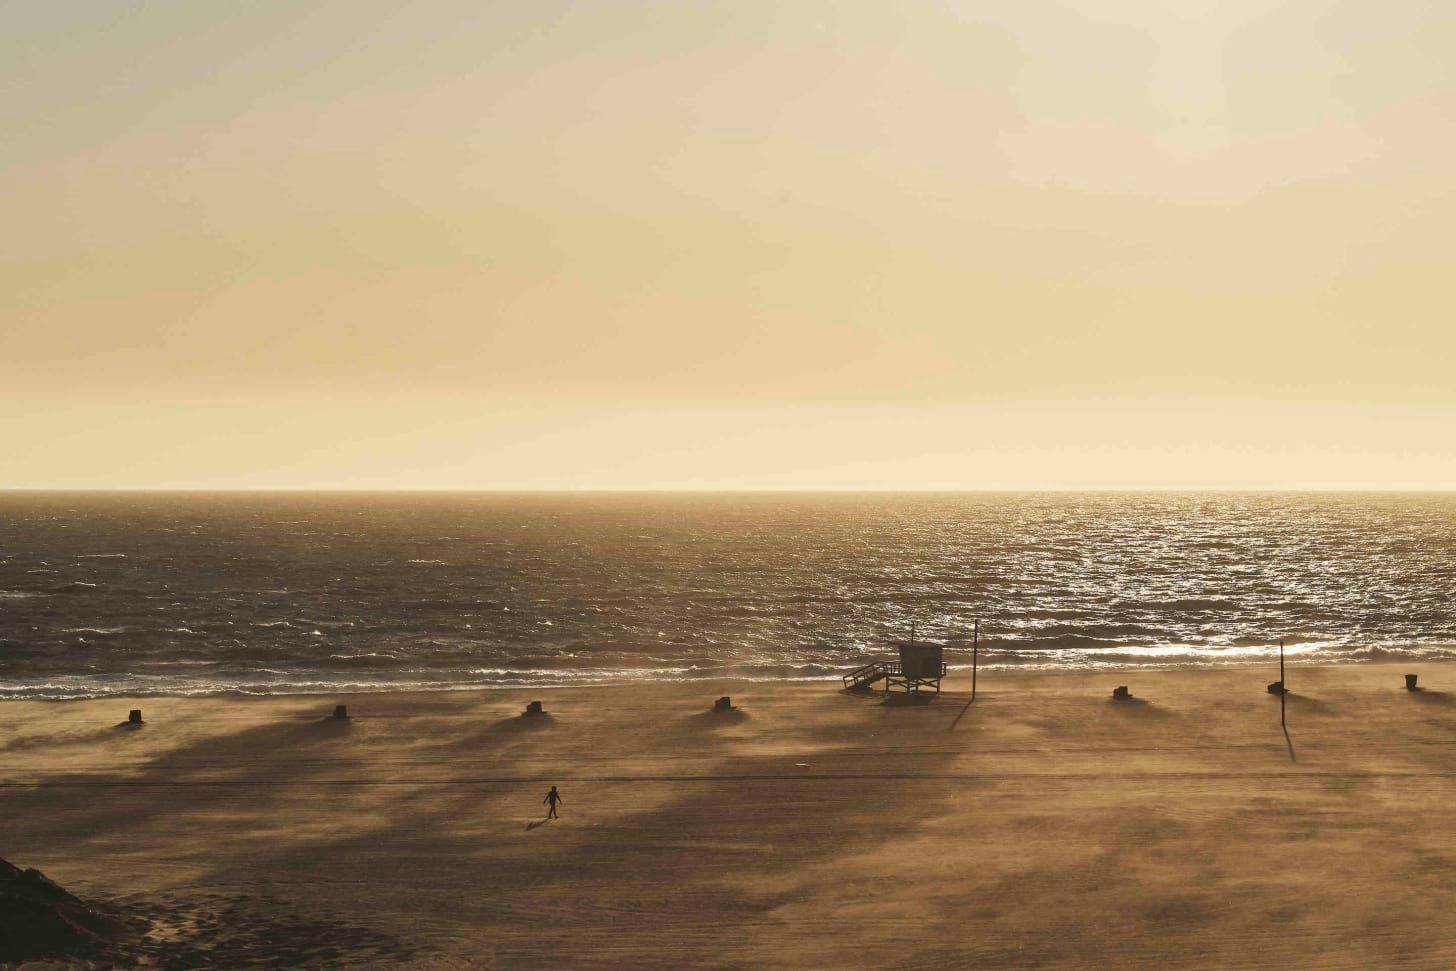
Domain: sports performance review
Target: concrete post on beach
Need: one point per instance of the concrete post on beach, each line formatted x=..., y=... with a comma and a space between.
x=134, y=717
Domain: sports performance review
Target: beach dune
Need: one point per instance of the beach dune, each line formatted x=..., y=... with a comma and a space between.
x=1044, y=825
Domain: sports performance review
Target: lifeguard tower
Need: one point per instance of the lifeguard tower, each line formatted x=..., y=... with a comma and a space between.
x=920, y=666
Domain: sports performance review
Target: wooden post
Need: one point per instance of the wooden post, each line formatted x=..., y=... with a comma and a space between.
x=902, y=669
x=975, y=650
x=1283, y=687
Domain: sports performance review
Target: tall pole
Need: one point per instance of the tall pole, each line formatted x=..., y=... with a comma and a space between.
x=1283, y=688
x=975, y=650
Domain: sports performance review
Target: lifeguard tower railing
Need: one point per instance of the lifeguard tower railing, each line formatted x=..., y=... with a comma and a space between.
x=919, y=666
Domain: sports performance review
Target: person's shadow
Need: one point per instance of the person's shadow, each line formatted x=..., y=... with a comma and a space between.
x=539, y=822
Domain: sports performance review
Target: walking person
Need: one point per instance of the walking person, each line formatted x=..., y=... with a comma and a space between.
x=552, y=797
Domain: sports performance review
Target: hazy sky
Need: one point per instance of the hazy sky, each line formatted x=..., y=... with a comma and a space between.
x=1003, y=243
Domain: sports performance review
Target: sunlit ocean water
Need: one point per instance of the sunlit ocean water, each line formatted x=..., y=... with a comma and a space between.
x=137, y=593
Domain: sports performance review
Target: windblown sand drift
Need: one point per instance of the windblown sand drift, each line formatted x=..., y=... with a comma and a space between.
x=1045, y=825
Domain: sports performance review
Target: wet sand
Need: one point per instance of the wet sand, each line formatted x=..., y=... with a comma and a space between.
x=1045, y=825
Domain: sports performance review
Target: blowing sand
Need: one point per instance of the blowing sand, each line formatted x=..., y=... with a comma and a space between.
x=1043, y=825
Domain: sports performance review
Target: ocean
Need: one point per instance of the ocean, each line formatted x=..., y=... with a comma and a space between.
x=132, y=593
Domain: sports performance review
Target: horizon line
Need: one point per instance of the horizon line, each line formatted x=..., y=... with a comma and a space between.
x=673, y=490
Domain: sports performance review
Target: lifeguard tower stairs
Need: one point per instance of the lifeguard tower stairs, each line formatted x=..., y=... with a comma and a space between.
x=920, y=666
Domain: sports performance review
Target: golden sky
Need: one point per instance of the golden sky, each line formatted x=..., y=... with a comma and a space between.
x=629, y=244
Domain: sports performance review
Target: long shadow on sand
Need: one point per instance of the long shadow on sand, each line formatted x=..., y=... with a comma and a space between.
x=752, y=840
x=1138, y=708
x=1428, y=696
x=965, y=708
x=907, y=699
x=714, y=720
x=82, y=740
x=499, y=740
x=1294, y=701
x=182, y=794
x=189, y=778
x=680, y=858
x=519, y=724
x=285, y=818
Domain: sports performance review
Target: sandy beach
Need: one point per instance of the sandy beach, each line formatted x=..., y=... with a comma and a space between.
x=1044, y=825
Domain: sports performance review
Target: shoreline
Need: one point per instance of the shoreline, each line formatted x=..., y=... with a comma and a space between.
x=954, y=671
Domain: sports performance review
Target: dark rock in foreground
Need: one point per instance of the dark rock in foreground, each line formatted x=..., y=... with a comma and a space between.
x=40, y=919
